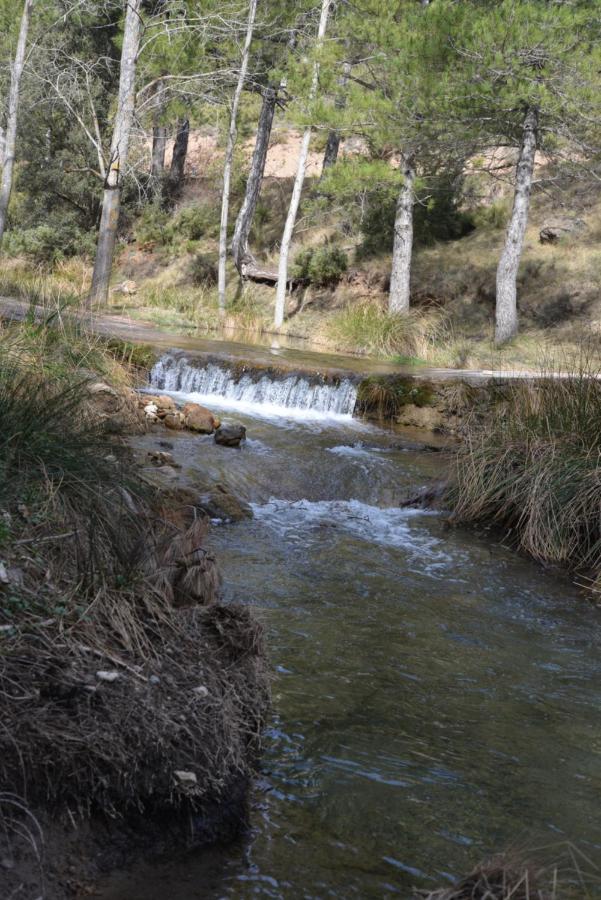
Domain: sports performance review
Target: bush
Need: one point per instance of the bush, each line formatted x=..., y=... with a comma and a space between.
x=50, y=243
x=203, y=271
x=322, y=267
x=532, y=467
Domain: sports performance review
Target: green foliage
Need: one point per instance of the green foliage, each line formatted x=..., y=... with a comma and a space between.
x=50, y=243
x=494, y=215
x=158, y=226
x=320, y=266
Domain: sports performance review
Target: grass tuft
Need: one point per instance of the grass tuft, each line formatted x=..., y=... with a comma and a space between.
x=532, y=465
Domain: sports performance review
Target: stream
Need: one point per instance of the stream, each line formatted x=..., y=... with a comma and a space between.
x=436, y=697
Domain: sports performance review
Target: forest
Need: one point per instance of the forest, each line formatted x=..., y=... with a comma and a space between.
x=404, y=129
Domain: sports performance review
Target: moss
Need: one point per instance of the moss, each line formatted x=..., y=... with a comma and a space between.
x=386, y=395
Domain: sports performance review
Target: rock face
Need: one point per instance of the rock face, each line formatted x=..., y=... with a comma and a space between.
x=199, y=418
x=220, y=503
x=230, y=435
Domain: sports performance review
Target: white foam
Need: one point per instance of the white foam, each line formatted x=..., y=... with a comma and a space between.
x=392, y=526
x=295, y=397
x=355, y=451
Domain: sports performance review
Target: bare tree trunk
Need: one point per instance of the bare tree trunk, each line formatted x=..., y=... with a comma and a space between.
x=255, y=180
x=2, y=145
x=159, y=139
x=10, y=138
x=333, y=145
x=506, y=316
x=282, y=285
x=109, y=219
x=229, y=155
x=400, y=276
x=178, y=160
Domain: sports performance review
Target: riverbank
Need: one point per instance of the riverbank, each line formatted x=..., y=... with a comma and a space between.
x=132, y=698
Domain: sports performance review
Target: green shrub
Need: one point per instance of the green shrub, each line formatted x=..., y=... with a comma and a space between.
x=494, y=215
x=50, y=243
x=322, y=267
x=203, y=271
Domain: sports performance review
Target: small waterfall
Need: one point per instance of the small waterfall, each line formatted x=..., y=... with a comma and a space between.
x=315, y=394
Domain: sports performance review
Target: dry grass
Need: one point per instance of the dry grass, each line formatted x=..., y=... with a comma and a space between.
x=368, y=327
x=98, y=578
x=563, y=873
x=532, y=465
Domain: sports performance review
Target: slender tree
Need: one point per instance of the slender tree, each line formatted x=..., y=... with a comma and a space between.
x=402, y=249
x=124, y=115
x=12, y=115
x=282, y=284
x=159, y=136
x=229, y=154
x=506, y=318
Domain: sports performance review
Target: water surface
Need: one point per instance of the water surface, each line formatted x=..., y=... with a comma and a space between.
x=436, y=697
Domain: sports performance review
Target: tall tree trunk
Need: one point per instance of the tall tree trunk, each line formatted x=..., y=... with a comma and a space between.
x=109, y=219
x=333, y=145
x=240, y=252
x=506, y=316
x=400, y=276
x=10, y=137
x=282, y=285
x=159, y=139
x=229, y=155
x=255, y=180
x=178, y=160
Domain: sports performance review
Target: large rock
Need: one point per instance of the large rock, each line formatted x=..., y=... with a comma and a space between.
x=230, y=435
x=115, y=409
x=554, y=229
x=199, y=418
x=156, y=406
x=220, y=503
x=174, y=421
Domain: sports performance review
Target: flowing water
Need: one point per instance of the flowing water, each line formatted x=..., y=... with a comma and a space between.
x=436, y=697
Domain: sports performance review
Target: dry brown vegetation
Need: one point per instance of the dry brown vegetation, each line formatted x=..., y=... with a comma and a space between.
x=126, y=688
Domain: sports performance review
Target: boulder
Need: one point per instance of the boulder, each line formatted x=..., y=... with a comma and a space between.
x=199, y=418
x=156, y=406
x=115, y=409
x=220, y=503
x=230, y=435
x=553, y=230
x=174, y=421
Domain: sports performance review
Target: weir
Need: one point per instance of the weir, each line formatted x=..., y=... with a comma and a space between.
x=181, y=372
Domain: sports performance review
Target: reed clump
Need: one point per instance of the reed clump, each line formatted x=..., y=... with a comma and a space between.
x=532, y=465
x=368, y=327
